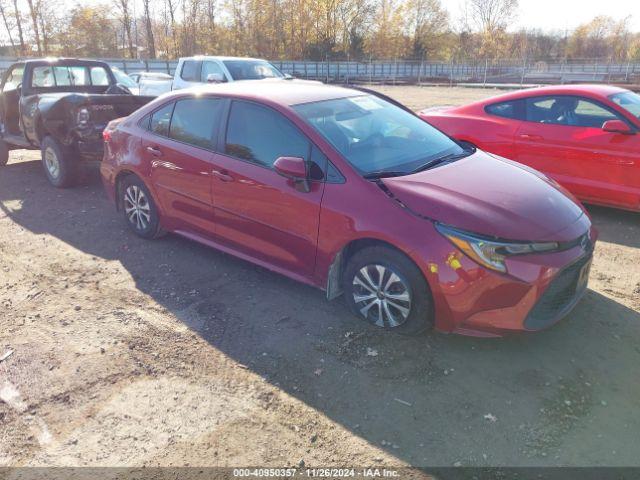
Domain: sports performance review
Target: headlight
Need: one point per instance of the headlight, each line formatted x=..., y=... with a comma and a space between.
x=491, y=253
x=82, y=117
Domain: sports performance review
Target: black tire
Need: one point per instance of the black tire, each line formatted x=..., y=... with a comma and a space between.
x=60, y=163
x=139, y=209
x=419, y=308
x=4, y=153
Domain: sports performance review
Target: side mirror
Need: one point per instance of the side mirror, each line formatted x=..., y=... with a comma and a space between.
x=295, y=169
x=617, y=126
x=288, y=76
x=215, y=78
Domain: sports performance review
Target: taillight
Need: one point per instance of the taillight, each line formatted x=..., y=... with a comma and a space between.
x=106, y=135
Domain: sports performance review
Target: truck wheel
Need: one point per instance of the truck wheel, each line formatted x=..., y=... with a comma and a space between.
x=4, y=153
x=59, y=162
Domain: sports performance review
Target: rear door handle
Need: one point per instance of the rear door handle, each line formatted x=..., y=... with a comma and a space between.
x=155, y=151
x=222, y=175
x=626, y=163
x=529, y=136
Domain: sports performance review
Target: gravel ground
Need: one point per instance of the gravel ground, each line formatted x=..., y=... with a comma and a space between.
x=128, y=352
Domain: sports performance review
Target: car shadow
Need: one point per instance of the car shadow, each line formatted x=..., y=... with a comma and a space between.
x=616, y=226
x=561, y=396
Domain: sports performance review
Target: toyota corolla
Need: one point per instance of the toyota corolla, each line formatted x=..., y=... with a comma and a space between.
x=351, y=192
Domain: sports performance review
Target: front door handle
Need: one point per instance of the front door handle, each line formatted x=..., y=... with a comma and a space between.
x=529, y=136
x=155, y=151
x=222, y=175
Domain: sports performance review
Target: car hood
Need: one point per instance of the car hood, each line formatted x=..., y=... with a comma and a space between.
x=489, y=196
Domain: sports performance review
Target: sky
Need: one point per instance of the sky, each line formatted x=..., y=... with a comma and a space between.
x=561, y=15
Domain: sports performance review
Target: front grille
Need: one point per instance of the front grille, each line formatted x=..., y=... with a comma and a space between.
x=560, y=296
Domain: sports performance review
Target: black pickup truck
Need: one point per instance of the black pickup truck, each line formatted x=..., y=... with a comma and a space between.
x=61, y=107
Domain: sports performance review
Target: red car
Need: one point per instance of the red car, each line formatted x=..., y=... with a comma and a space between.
x=354, y=194
x=584, y=136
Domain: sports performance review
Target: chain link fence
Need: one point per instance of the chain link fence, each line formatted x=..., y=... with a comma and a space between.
x=497, y=72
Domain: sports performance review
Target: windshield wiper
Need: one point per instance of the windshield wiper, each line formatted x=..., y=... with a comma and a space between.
x=384, y=174
x=396, y=173
x=445, y=158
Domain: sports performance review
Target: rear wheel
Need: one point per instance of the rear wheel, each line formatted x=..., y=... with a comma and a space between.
x=4, y=153
x=59, y=162
x=140, y=211
x=385, y=288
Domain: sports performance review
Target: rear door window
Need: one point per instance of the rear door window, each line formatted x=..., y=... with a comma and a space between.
x=190, y=71
x=260, y=135
x=161, y=119
x=196, y=120
x=513, y=109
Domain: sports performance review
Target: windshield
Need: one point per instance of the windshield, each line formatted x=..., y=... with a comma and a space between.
x=123, y=78
x=377, y=137
x=251, y=69
x=629, y=101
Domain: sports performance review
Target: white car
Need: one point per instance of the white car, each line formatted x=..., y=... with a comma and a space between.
x=125, y=80
x=200, y=69
x=152, y=83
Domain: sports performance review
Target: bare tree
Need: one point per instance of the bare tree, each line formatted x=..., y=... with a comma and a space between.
x=211, y=11
x=490, y=15
x=45, y=20
x=23, y=49
x=6, y=25
x=428, y=21
x=151, y=45
x=190, y=12
x=34, y=8
x=125, y=19
x=172, y=5
x=490, y=18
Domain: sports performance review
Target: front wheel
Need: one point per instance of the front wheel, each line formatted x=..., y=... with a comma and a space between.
x=59, y=162
x=4, y=153
x=385, y=288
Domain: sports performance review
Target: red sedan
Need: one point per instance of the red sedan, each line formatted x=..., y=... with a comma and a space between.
x=584, y=136
x=356, y=195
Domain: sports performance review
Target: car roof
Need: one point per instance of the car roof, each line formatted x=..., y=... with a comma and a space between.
x=283, y=92
x=150, y=74
x=591, y=90
x=221, y=57
x=61, y=61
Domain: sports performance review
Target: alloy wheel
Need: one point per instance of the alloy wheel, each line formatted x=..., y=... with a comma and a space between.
x=136, y=207
x=381, y=296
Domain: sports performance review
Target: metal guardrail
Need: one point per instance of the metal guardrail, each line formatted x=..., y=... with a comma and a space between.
x=411, y=71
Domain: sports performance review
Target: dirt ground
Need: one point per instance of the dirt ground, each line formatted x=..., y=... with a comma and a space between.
x=128, y=352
